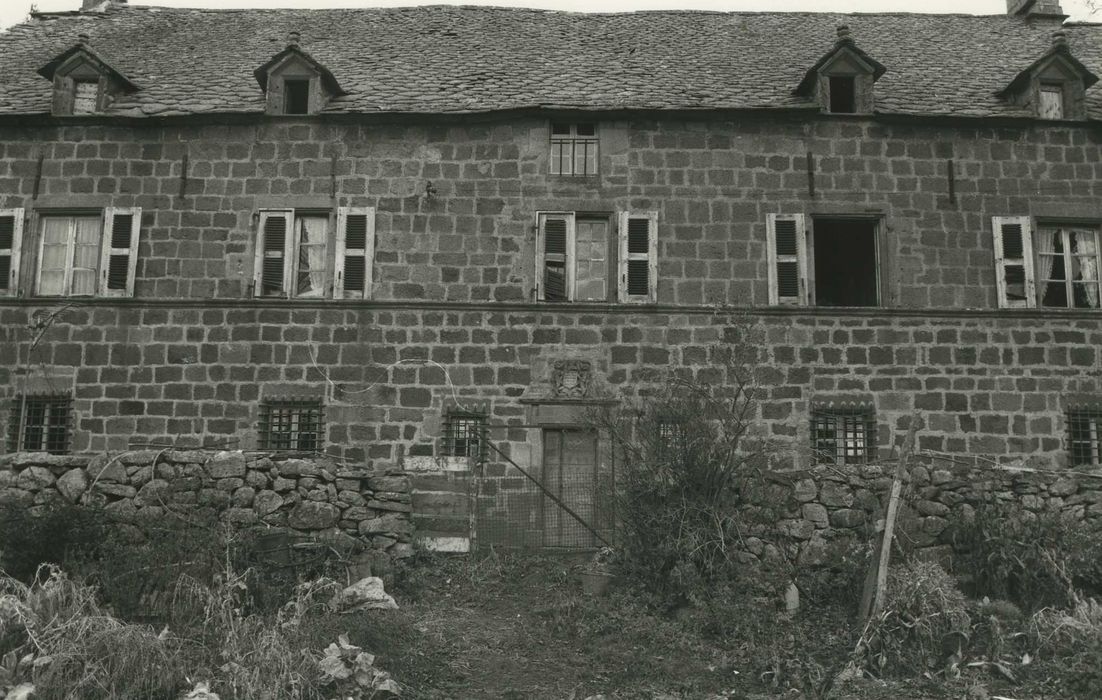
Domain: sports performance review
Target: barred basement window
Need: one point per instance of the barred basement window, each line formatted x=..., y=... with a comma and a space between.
x=291, y=425
x=843, y=435
x=1085, y=436
x=463, y=434
x=40, y=424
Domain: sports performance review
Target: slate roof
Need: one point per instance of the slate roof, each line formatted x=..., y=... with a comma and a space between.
x=445, y=59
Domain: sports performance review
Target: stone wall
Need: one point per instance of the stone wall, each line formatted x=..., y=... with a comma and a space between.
x=309, y=495
x=828, y=504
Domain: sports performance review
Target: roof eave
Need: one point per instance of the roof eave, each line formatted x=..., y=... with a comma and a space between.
x=50, y=69
x=811, y=77
x=327, y=77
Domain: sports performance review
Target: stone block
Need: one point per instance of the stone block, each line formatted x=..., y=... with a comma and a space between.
x=313, y=515
x=816, y=513
x=267, y=502
x=72, y=484
x=35, y=479
x=297, y=468
x=225, y=464
x=805, y=490
x=847, y=518
x=243, y=497
x=835, y=495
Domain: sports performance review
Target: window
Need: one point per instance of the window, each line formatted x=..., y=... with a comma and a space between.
x=843, y=94
x=1085, y=436
x=291, y=425
x=843, y=435
x=836, y=264
x=293, y=257
x=463, y=434
x=86, y=97
x=1052, y=101
x=574, y=253
x=573, y=148
x=39, y=424
x=296, y=94
x=11, y=240
x=1054, y=267
x=77, y=258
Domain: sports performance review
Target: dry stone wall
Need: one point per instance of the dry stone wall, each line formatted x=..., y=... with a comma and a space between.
x=827, y=504
x=306, y=494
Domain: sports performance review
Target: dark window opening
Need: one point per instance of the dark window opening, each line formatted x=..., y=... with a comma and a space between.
x=463, y=435
x=296, y=94
x=843, y=436
x=291, y=425
x=845, y=262
x=1085, y=436
x=843, y=94
x=39, y=424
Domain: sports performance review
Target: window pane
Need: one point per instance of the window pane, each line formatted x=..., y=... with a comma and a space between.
x=313, y=236
x=591, y=248
x=86, y=255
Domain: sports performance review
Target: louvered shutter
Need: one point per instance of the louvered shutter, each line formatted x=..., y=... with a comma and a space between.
x=638, y=261
x=555, y=257
x=119, y=251
x=1014, y=261
x=273, y=252
x=11, y=240
x=787, y=252
x=355, y=252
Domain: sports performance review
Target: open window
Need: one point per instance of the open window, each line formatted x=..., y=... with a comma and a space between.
x=11, y=244
x=295, y=83
x=299, y=256
x=837, y=263
x=842, y=79
x=578, y=257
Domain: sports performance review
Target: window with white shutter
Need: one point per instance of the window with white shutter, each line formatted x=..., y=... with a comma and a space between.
x=355, y=252
x=11, y=240
x=638, y=257
x=118, y=264
x=787, y=253
x=555, y=257
x=1014, y=261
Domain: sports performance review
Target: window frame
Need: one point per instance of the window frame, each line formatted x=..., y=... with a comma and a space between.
x=1048, y=87
x=1089, y=418
x=865, y=419
x=267, y=437
x=18, y=425
x=335, y=256
x=804, y=257
x=105, y=250
x=569, y=255
x=1065, y=229
x=450, y=441
x=573, y=139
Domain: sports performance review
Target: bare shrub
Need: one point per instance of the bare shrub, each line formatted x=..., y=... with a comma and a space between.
x=680, y=449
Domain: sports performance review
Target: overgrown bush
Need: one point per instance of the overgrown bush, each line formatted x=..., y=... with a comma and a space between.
x=53, y=536
x=1073, y=637
x=680, y=450
x=1023, y=557
x=923, y=622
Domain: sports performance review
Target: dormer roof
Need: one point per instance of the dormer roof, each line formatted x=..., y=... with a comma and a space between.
x=292, y=52
x=1060, y=54
x=844, y=49
x=83, y=50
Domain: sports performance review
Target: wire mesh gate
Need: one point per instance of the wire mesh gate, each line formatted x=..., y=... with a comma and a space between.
x=563, y=501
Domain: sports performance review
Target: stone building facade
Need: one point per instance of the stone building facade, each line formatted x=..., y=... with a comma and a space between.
x=367, y=259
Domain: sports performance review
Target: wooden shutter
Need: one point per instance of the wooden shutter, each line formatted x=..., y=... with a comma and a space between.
x=555, y=257
x=787, y=259
x=11, y=240
x=119, y=256
x=274, y=243
x=638, y=260
x=355, y=252
x=1014, y=261
x=64, y=88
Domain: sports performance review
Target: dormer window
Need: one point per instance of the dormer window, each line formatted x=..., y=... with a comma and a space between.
x=86, y=97
x=1054, y=86
x=1052, y=101
x=843, y=94
x=842, y=80
x=295, y=83
x=84, y=82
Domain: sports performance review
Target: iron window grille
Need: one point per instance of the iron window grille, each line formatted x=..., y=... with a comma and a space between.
x=1085, y=436
x=843, y=435
x=40, y=424
x=292, y=425
x=463, y=435
x=574, y=149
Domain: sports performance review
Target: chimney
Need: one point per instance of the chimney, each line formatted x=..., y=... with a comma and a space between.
x=98, y=5
x=293, y=38
x=1031, y=9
